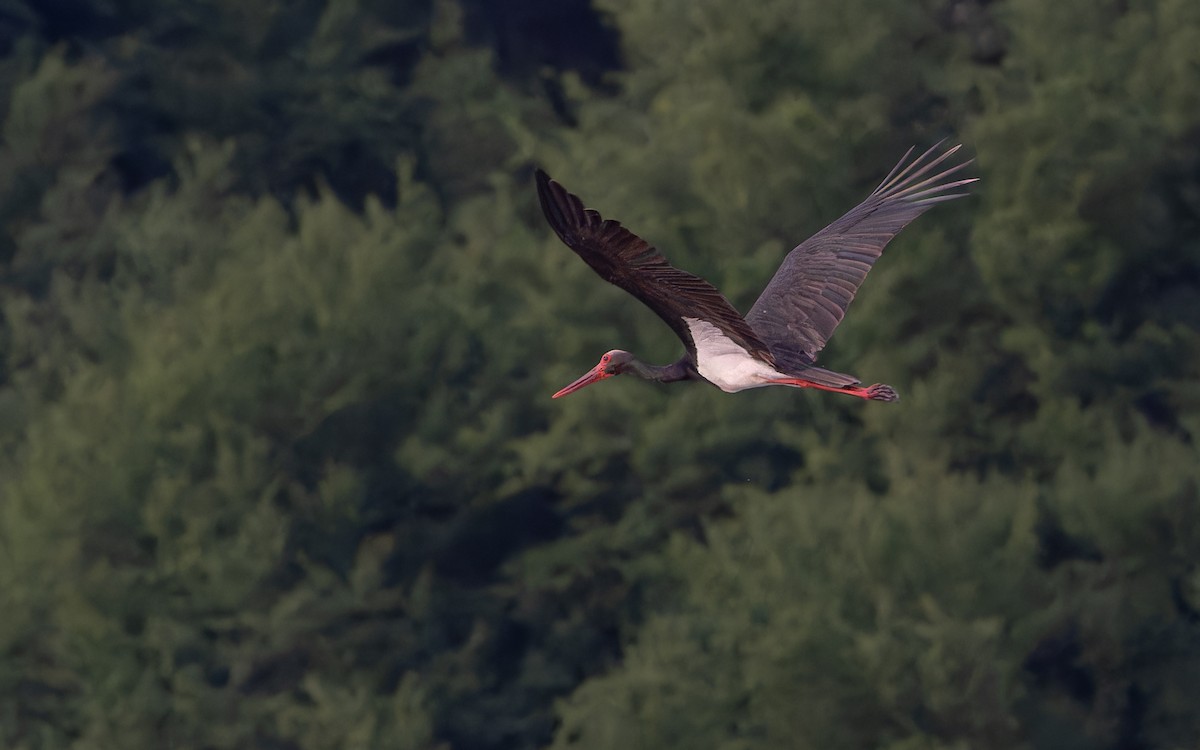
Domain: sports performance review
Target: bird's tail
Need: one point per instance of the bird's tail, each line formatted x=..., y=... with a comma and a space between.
x=821, y=376
x=828, y=380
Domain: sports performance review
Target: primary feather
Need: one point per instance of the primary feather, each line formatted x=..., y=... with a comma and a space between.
x=807, y=298
x=800, y=307
x=626, y=260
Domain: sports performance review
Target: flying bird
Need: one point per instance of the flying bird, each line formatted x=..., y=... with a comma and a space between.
x=777, y=342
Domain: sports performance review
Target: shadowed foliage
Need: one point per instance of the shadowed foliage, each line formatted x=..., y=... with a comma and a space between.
x=280, y=318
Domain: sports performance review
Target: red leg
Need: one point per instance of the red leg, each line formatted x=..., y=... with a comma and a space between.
x=877, y=392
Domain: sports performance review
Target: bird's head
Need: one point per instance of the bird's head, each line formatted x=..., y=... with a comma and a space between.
x=614, y=362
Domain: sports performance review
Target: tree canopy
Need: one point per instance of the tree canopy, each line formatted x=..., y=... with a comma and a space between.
x=280, y=319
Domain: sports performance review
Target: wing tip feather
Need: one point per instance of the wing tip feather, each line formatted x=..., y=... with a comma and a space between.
x=563, y=210
x=629, y=262
x=904, y=182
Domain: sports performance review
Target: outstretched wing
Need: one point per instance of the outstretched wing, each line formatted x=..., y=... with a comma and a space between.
x=808, y=296
x=626, y=260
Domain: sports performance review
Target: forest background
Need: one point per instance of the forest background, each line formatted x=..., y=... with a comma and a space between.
x=280, y=322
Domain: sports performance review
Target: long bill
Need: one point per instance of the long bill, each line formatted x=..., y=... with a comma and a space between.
x=594, y=375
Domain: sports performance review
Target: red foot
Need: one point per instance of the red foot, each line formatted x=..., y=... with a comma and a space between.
x=882, y=392
x=877, y=392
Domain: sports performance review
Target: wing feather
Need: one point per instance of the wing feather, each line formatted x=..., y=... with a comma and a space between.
x=629, y=262
x=809, y=294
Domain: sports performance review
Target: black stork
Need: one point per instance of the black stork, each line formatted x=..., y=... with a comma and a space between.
x=778, y=341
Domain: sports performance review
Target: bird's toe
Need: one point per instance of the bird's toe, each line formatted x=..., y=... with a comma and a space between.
x=882, y=392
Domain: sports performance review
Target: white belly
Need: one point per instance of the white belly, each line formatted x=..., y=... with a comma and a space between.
x=725, y=364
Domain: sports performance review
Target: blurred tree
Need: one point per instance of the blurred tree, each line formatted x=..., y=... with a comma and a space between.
x=931, y=616
x=281, y=319
x=1066, y=360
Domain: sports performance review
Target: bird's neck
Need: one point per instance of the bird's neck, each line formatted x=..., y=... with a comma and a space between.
x=671, y=373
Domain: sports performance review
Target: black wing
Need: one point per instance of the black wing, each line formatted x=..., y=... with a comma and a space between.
x=626, y=260
x=808, y=296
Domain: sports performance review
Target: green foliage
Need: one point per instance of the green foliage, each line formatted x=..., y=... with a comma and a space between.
x=281, y=322
x=929, y=616
x=155, y=509
x=1036, y=365
x=1085, y=197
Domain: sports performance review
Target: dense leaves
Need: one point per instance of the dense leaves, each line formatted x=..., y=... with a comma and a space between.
x=280, y=321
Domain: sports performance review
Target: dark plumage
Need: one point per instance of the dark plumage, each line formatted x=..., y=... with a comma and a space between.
x=626, y=260
x=807, y=297
x=778, y=340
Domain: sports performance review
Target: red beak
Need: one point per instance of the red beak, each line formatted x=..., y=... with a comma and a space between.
x=595, y=375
